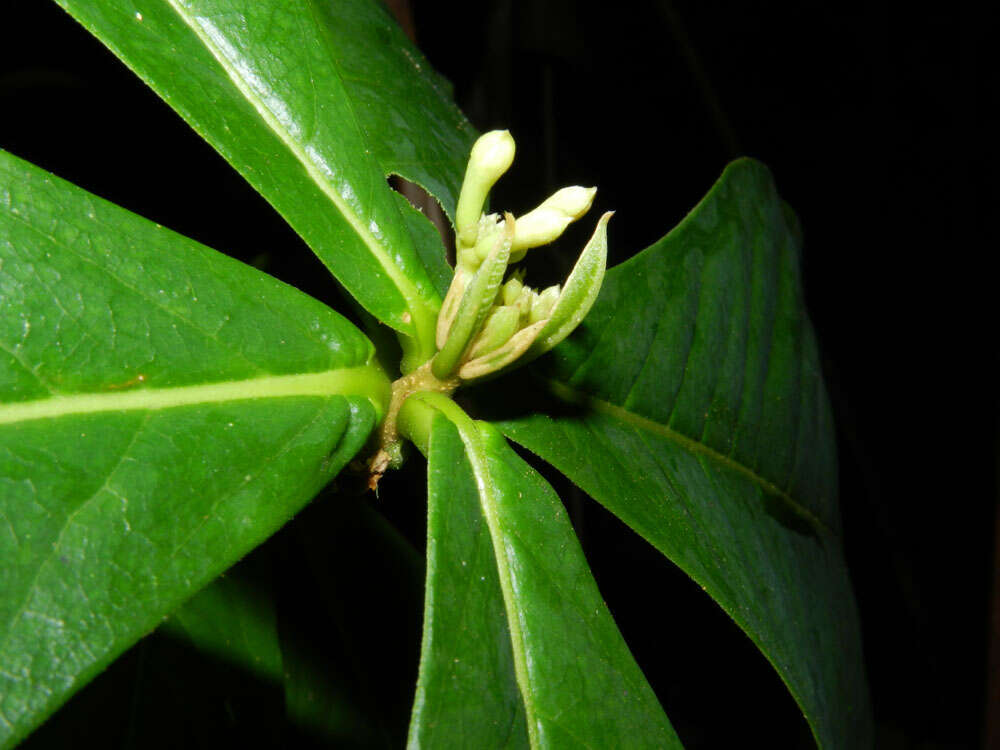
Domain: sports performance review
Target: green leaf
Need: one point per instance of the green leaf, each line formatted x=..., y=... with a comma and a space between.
x=405, y=108
x=210, y=675
x=165, y=694
x=163, y=409
x=693, y=408
x=314, y=103
x=428, y=242
x=341, y=640
x=234, y=619
x=519, y=648
x=357, y=630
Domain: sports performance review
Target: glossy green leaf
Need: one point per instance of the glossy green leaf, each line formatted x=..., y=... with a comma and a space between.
x=234, y=619
x=404, y=107
x=340, y=640
x=519, y=649
x=164, y=694
x=693, y=407
x=210, y=675
x=428, y=242
x=361, y=624
x=163, y=409
x=314, y=103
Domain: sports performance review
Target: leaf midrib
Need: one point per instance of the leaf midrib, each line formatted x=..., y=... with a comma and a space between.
x=472, y=439
x=401, y=281
x=367, y=381
x=572, y=395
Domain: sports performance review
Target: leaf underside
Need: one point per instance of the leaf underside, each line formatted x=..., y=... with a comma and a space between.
x=163, y=409
x=690, y=403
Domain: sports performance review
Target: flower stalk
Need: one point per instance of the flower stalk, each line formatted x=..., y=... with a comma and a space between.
x=486, y=325
x=489, y=324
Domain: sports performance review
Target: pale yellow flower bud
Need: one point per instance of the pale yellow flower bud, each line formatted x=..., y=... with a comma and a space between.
x=545, y=223
x=501, y=324
x=544, y=303
x=511, y=291
x=524, y=302
x=491, y=156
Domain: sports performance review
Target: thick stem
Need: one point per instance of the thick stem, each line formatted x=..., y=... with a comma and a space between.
x=389, y=452
x=420, y=347
x=417, y=414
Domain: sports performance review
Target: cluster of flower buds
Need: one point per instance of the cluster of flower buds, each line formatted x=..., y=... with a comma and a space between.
x=486, y=322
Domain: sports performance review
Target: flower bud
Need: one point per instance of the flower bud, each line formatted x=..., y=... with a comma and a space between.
x=511, y=291
x=449, y=308
x=477, y=300
x=544, y=303
x=502, y=323
x=523, y=303
x=489, y=230
x=491, y=156
x=544, y=224
x=486, y=324
x=496, y=360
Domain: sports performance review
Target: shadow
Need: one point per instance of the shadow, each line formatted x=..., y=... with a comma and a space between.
x=517, y=394
x=790, y=518
x=336, y=596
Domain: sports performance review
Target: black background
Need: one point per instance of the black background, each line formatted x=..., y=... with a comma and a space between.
x=876, y=122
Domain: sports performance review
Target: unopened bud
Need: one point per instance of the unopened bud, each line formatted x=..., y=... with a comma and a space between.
x=477, y=300
x=544, y=224
x=491, y=156
x=506, y=355
x=488, y=230
x=543, y=304
x=502, y=323
x=449, y=308
x=524, y=302
x=511, y=291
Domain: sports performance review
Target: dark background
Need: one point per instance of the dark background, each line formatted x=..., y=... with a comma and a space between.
x=878, y=125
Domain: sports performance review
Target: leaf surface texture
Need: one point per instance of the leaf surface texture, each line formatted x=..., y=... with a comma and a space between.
x=314, y=103
x=691, y=404
x=519, y=648
x=163, y=409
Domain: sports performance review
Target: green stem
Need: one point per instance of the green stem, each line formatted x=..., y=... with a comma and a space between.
x=420, y=347
x=416, y=415
x=421, y=380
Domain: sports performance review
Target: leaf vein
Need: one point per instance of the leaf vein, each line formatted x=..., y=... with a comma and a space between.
x=572, y=395
x=43, y=563
x=207, y=33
